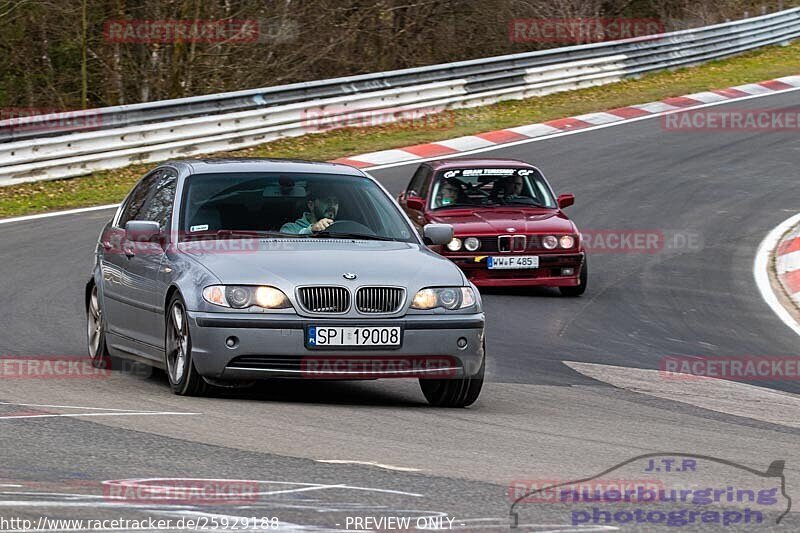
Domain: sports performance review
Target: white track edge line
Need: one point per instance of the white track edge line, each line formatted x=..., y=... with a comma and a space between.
x=79, y=407
x=81, y=415
x=458, y=154
x=761, y=272
x=58, y=213
x=573, y=132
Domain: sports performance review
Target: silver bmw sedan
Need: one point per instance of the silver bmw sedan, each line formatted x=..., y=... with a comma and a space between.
x=226, y=271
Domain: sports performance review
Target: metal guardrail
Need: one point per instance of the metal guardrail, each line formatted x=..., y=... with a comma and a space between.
x=32, y=149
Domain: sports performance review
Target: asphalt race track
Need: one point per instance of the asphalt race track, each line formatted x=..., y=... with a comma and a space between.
x=538, y=418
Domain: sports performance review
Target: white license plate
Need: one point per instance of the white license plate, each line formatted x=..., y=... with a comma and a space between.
x=322, y=336
x=513, y=261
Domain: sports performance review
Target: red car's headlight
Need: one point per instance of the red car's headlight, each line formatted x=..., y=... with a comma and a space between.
x=454, y=245
x=472, y=244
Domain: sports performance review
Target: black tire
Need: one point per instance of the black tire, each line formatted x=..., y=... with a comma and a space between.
x=454, y=392
x=96, y=331
x=581, y=287
x=181, y=373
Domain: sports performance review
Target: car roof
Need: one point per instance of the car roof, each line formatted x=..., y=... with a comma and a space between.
x=442, y=164
x=253, y=164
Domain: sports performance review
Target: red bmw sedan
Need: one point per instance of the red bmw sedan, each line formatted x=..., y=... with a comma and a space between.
x=510, y=229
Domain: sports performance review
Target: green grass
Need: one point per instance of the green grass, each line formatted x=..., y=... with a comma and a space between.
x=110, y=186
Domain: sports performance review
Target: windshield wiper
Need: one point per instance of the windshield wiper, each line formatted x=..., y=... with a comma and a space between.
x=343, y=235
x=248, y=233
x=520, y=202
x=232, y=233
x=448, y=206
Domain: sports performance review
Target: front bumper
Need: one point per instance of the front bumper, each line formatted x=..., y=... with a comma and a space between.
x=274, y=345
x=549, y=273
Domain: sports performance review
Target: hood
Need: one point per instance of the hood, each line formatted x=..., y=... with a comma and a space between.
x=288, y=263
x=498, y=220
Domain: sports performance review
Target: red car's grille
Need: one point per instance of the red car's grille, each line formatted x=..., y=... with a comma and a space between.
x=511, y=243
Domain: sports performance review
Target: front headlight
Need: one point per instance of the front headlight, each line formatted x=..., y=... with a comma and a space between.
x=550, y=242
x=567, y=241
x=471, y=244
x=447, y=297
x=454, y=245
x=243, y=296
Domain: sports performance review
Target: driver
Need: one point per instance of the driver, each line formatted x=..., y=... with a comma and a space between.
x=514, y=187
x=448, y=193
x=322, y=210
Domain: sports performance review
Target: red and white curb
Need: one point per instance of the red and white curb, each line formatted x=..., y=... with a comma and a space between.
x=779, y=251
x=589, y=120
x=787, y=263
x=531, y=133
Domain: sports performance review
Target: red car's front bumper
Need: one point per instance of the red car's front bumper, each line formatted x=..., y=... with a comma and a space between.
x=549, y=273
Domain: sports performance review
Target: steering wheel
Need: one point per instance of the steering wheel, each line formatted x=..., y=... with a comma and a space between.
x=349, y=226
x=475, y=188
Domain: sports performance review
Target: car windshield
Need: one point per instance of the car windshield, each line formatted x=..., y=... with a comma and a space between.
x=490, y=187
x=283, y=205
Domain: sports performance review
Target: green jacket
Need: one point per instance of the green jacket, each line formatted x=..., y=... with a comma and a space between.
x=302, y=226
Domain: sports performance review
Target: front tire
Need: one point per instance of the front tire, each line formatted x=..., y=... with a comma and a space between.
x=181, y=373
x=461, y=392
x=96, y=332
x=582, y=280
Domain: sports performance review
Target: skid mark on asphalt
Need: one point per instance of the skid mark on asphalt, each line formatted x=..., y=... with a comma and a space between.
x=164, y=485
x=738, y=399
x=106, y=411
x=368, y=463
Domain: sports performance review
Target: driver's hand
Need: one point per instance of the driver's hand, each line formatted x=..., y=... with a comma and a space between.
x=321, y=225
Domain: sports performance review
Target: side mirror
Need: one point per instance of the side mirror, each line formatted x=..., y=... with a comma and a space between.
x=566, y=200
x=437, y=233
x=141, y=230
x=415, y=202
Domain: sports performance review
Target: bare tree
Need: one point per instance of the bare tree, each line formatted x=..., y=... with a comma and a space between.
x=60, y=52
